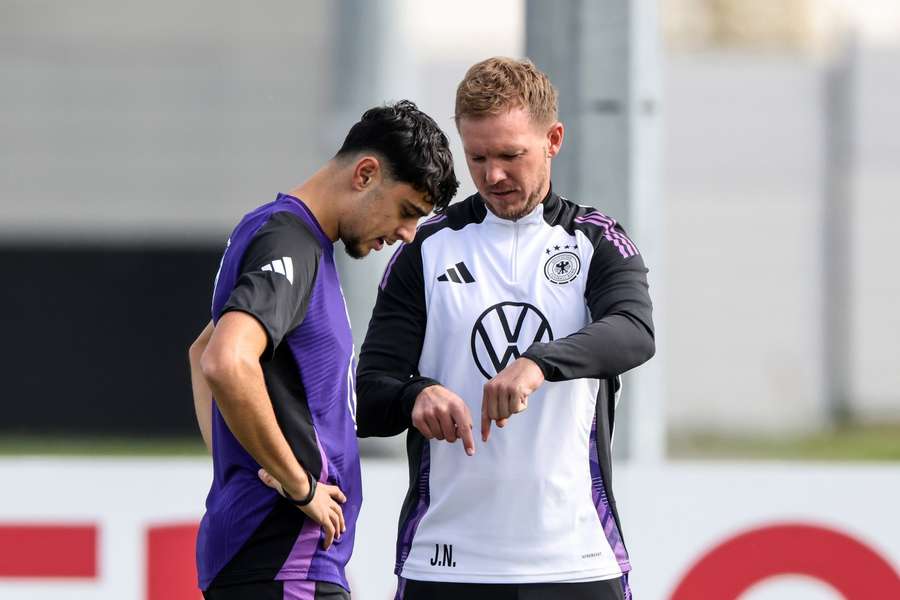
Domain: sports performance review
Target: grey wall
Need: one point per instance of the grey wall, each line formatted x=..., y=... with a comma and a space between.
x=875, y=288
x=744, y=158
x=159, y=120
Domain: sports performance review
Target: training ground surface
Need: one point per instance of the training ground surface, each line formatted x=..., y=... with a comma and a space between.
x=857, y=442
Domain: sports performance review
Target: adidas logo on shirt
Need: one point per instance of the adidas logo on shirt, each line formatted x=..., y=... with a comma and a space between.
x=284, y=265
x=458, y=275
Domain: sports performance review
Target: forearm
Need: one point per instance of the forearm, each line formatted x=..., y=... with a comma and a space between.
x=202, y=401
x=200, y=388
x=244, y=403
x=388, y=378
x=385, y=402
x=605, y=348
x=620, y=334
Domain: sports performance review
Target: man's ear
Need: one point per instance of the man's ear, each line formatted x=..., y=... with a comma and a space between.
x=366, y=173
x=555, y=136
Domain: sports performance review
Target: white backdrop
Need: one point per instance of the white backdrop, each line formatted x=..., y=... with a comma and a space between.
x=673, y=515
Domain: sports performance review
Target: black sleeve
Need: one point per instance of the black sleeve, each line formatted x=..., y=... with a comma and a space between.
x=277, y=273
x=620, y=336
x=387, y=379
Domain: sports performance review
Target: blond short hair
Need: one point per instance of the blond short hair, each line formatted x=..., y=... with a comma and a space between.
x=500, y=84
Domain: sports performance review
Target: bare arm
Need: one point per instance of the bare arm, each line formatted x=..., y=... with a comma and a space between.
x=199, y=386
x=232, y=369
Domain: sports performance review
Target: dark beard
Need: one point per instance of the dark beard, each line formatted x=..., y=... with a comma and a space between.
x=353, y=248
x=353, y=245
x=533, y=201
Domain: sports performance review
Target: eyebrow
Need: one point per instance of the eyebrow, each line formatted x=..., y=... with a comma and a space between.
x=499, y=152
x=417, y=209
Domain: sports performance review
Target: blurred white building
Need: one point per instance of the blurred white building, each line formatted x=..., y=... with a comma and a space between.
x=162, y=123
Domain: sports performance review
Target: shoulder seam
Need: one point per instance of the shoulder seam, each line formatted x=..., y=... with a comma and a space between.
x=307, y=230
x=607, y=226
x=430, y=226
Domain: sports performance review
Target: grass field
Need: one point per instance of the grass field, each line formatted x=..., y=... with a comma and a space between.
x=855, y=443
x=55, y=445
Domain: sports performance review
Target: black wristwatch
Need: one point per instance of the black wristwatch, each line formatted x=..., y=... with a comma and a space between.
x=309, y=496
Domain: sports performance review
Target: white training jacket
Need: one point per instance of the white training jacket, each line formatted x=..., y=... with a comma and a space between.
x=563, y=286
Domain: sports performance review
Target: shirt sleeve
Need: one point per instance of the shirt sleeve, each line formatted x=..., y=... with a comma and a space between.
x=277, y=274
x=388, y=379
x=620, y=335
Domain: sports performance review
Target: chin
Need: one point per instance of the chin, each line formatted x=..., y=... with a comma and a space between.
x=355, y=249
x=510, y=208
x=512, y=211
x=501, y=208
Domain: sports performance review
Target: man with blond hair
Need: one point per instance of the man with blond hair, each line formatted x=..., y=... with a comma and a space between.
x=514, y=298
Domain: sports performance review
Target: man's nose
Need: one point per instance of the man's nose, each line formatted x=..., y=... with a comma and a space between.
x=407, y=232
x=494, y=173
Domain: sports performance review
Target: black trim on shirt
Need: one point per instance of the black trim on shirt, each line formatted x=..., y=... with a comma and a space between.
x=620, y=335
x=276, y=302
x=388, y=378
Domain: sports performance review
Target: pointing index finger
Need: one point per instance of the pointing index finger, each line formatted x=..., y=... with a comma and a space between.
x=463, y=421
x=465, y=432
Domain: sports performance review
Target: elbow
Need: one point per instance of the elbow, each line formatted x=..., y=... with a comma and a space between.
x=363, y=418
x=195, y=352
x=645, y=348
x=219, y=367
x=638, y=342
x=377, y=408
x=649, y=348
x=368, y=422
x=211, y=366
x=364, y=381
x=198, y=347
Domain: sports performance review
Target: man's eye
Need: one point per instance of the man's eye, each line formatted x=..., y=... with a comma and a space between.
x=477, y=159
x=510, y=156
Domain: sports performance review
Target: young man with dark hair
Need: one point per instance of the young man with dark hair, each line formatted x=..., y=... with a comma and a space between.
x=278, y=358
x=514, y=298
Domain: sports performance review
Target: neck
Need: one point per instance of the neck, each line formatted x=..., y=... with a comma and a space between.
x=545, y=191
x=318, y=193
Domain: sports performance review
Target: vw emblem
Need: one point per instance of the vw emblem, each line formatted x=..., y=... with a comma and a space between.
x=503, y=332
x=562, y=267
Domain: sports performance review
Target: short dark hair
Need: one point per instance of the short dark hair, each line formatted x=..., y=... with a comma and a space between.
x=416, y=150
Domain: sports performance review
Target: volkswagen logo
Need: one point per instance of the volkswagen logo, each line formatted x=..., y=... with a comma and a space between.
x=503, y=332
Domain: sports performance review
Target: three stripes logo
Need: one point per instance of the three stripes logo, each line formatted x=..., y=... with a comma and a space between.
x=283, y=265
x=459, y=274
